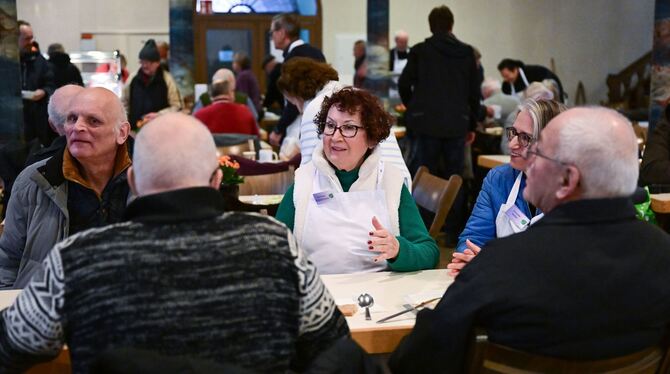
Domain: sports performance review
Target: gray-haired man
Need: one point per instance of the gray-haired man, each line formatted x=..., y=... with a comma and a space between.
x=588, y=281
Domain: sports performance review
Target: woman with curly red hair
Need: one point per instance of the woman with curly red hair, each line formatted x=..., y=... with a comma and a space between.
x=348, y=209
x=305, y=82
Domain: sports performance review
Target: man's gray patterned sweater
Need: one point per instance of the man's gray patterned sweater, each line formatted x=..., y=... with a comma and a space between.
x=180, y=278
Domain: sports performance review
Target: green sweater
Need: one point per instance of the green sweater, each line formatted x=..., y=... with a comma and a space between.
x=417, y=249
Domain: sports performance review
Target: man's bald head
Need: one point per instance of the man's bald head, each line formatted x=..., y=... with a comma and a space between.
x=583, y=153
x=224, y=75
x=401, y=40
x=58, y=106
x=172, y=152
x=602, y=144
x=96, y=126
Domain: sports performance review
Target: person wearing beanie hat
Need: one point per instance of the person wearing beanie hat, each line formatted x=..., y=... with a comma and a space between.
x=152, y=91
x=150, y=51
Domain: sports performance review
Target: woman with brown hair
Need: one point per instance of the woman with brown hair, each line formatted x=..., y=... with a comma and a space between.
x=348, y=209
x=305, y=83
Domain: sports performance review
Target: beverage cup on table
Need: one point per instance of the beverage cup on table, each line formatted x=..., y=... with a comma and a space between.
x=251, y=155
x=267, y=155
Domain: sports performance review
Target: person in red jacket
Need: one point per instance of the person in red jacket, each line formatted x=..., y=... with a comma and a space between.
x=224, y=115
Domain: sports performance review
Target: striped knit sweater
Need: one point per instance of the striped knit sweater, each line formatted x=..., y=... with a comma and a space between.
x=180, y=278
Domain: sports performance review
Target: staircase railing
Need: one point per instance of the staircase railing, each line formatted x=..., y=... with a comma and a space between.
x=629, y=89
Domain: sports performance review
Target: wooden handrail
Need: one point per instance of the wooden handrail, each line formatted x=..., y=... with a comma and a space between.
x=630, y=87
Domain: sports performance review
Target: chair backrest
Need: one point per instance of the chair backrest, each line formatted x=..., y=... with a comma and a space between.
x=268, y=184
x=487, y=357
x=436, y=195
x=237, y=149
x=235, y=144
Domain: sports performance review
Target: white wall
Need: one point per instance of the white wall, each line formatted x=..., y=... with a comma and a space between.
x=587, y=38
x=118, y=24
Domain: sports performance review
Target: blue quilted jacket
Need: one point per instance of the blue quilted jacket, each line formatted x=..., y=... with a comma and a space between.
x=481, y=226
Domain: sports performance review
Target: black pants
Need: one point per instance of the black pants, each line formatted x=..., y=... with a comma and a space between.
x=443, y=158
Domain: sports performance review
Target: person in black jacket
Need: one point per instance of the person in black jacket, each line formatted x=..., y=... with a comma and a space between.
x=37, y=84
x=518, y=76
x=273, y=99
x=152, y=91
x=64, y=71
x=285, y=30
x=588, y=281
x=655, y=168
x=440, y=88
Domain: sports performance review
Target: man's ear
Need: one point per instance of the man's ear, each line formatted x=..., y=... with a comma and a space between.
x=131, y=180
x=122, y=135
x=570, y=183
x=215, y=182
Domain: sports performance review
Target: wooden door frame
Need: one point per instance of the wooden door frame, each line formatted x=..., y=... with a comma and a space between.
x=258, y=24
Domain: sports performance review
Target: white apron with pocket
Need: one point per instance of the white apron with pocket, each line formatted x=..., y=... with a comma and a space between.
x=510, y=219
x=337, y=229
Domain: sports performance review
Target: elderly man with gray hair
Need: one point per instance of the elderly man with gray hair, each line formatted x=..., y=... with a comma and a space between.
x=82, y=185
x=588, y=281
x=220, y=76
x=57, y=110
x=181, y=277
x=498, y=105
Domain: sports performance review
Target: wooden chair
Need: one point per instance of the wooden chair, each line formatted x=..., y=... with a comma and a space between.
x=487, y=357
x=235, y=144
x=436, y=195
x=268, y=184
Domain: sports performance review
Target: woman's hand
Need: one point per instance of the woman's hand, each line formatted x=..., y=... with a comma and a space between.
x=381, y=240
x=459, y=260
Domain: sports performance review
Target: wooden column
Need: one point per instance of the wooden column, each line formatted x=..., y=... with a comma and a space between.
x=660, y=63
x=377, y=53
x=11, y=106
x=182, y=65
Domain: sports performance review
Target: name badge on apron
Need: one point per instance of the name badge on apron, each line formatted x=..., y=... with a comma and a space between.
x=516, y=217
x=323, y=197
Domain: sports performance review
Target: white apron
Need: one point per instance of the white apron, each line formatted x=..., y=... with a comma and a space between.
x=398, y=67
x=525, y=81
x=337, y=230
x=510, y=220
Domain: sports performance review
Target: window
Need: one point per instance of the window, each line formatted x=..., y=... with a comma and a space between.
x=302, y=7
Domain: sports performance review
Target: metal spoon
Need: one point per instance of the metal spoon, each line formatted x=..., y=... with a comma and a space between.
x=365, y=300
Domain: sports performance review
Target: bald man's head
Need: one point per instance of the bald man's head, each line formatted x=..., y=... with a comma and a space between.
x=172, y=152
x=583, y=153
x=226, y=75
x=401, y=40
x=96, y=125
x=602, y=143
x=58, y=106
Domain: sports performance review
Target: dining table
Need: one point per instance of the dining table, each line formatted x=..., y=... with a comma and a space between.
x=261, y=199
x=491, y=161
x=392, y=292
x=660, y=203
x=399, y=131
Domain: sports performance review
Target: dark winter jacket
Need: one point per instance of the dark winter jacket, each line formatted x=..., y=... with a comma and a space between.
x=440, y=87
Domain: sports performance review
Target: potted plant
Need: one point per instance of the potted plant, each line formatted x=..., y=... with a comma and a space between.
x=230, y=183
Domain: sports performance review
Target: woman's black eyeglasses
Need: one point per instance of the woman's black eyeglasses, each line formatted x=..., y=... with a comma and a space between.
x=524, y=139
x=347, y=131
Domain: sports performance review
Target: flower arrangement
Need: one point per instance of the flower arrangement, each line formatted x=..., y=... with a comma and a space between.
x=229, y=168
